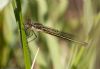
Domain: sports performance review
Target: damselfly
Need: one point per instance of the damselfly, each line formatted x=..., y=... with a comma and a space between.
x=39, y=27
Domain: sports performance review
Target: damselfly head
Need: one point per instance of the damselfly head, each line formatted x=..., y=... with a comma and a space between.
x=28, y=23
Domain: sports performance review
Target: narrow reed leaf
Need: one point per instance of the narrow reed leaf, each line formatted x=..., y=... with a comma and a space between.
x=18, y=15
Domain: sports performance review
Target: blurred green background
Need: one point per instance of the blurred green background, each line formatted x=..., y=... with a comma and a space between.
x=78, y=17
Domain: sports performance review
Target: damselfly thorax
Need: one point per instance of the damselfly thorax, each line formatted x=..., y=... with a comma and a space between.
x=40, y=27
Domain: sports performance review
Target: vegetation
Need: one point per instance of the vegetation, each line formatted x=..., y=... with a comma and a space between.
x=78, y=17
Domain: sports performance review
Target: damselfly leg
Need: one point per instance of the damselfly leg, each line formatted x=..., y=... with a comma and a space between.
x=30, y=33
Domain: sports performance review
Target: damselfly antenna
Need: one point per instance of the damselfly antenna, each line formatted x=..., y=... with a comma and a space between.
x=48, y=30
